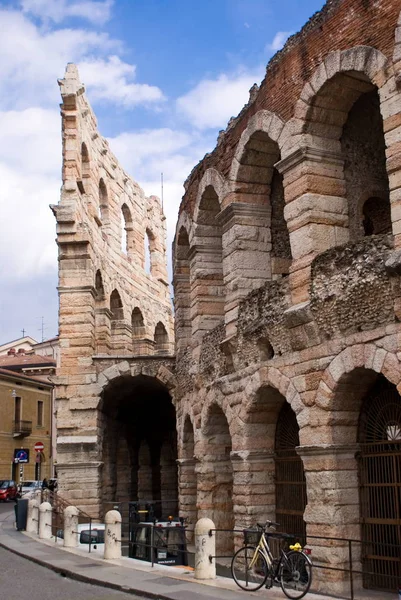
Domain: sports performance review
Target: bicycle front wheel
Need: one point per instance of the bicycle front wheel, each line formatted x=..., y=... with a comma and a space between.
x=295, y=574
x=249, y=571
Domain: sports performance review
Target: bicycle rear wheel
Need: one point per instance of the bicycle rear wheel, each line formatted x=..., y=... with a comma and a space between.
x=295, y=574
x=249, y=575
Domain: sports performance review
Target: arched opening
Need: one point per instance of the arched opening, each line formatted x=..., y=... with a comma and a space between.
x=291, y=497
x=116, y=307
x=207, y=283
x=182, y=291
x=187, y=479
x=149, y=249
x=85, y=168
x=265, y=184
x=376, y=216
x=161, y=339
x=215, y=487
x=126, y=229
x=379, y=435
x=138, y=412
x=103, y=202
x=102, y=317
x=138, y=330
x=363, y=148
x=99, y=288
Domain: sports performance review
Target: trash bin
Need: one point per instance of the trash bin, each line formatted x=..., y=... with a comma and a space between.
x=21, y=514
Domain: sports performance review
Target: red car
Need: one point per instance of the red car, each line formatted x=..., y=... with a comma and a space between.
x=8, y=490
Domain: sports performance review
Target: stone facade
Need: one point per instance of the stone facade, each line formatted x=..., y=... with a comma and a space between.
x=115, y=323
x=287, y=294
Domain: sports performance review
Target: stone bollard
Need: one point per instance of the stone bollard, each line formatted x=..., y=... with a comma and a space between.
x=205, y=546
x=32, y=521
x=112, y=535
x=45, y=521
x=71, y=536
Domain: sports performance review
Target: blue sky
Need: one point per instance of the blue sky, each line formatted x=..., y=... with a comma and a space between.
x=163, y=76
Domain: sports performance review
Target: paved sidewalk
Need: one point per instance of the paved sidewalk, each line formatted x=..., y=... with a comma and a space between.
x=126, y=574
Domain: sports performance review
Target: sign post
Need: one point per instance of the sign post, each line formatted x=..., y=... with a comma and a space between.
x=38, y=447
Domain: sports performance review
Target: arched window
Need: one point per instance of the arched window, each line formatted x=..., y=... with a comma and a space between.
x=149, y=249
x=103, y=201
x=116, y=306
x=99, y=286
x=138, y=325
x=126, y=229
x=161, y=339
x=85, y=168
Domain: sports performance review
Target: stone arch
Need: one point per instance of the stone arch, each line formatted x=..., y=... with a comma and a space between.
x=116, y=306
x=314, y=153
x=187, y=474
x=362, y=60
x=345, y=382
x=85, y=170
x=103, y=201
x=263, y=121
x=161, y=339
x=150, y=246
x=397, y=45
x=137, y=409
x=211, y=178
x=102, y=316
x=216, y=480
x=126, y=229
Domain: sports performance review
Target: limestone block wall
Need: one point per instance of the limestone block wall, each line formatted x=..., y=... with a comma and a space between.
x=305, y=183
x=112, y=303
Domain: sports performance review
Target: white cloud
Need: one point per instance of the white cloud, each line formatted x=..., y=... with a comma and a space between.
x=213, y=101
x=110, y=80
x=30, y=181
x=32, y=60
x=97, y=12
x=278, y=41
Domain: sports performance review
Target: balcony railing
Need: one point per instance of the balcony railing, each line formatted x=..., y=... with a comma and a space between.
x=22, y=427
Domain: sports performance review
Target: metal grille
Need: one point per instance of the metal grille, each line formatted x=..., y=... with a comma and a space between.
x=380, y=486
x=290, y=478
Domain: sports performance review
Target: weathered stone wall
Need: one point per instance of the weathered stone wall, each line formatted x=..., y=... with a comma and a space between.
x=110, y=305
x=311, y=282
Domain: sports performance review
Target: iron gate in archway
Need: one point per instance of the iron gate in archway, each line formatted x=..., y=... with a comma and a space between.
x=290, y=477
x=380, y=486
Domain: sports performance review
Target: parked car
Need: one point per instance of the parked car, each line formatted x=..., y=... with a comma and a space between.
x=30, y=486
x=92, y=534
x=8, y=490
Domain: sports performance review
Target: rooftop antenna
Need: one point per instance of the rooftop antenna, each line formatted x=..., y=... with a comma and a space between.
x=161, y=180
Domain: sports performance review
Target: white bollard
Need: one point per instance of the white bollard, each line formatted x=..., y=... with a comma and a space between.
x=71, y=535
x=45, y=521
x=112, y=535
x=205, y=547
x=32, y=521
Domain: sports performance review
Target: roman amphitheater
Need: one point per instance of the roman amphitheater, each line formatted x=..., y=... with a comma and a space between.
x=278, y=398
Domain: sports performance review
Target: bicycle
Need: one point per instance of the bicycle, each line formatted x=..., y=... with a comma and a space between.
x=252, y=567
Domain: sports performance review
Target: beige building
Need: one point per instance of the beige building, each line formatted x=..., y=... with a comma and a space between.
x=25, y=419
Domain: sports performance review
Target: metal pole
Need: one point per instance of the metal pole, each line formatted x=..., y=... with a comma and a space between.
x=152, y=541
